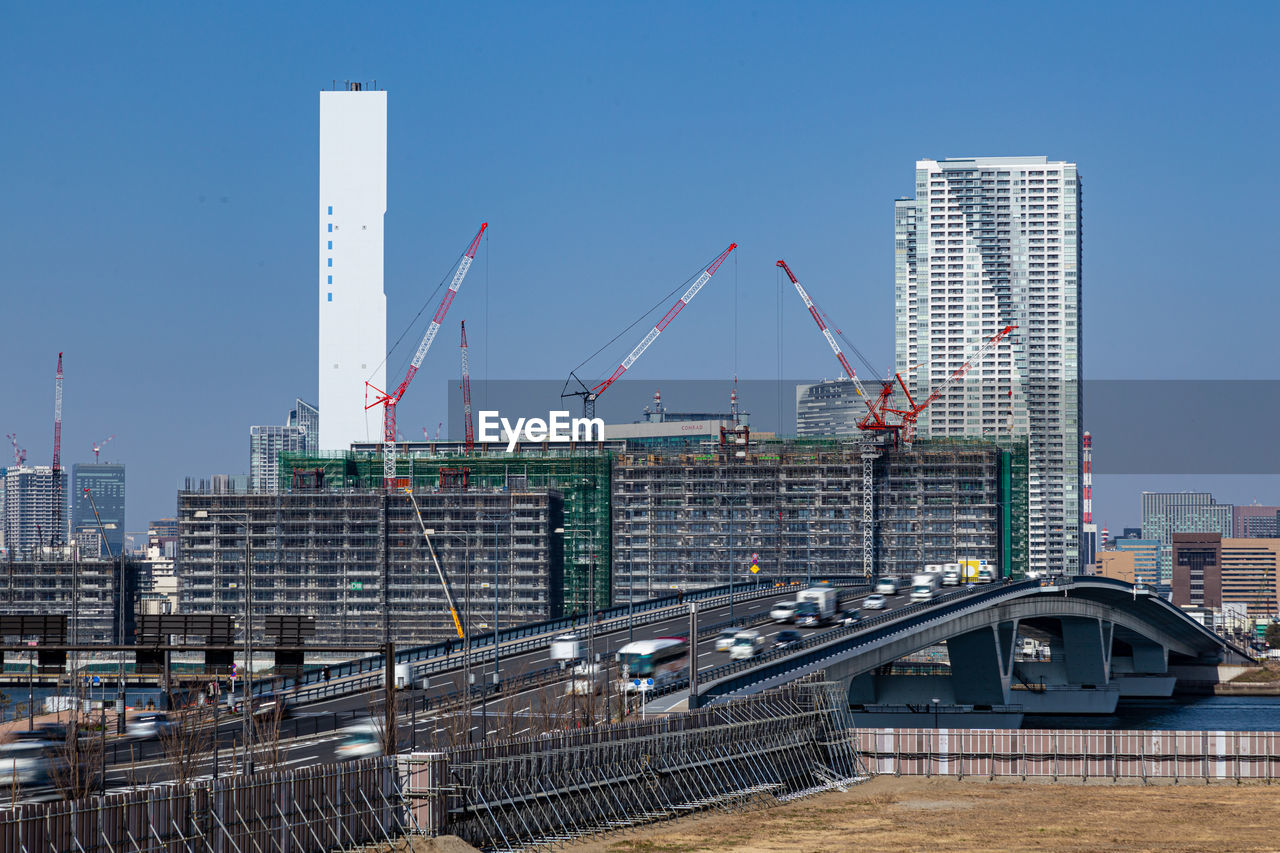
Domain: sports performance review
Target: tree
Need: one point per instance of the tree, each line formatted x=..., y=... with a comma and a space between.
x=1273, y=635
x=187, y=740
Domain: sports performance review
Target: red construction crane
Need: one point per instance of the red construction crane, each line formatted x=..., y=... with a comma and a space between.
x=55, y=538
x=98, y=447
x=392, y=399
x=874, y=420
x=466, y=392
x=590, y=395
x=19, y=454
x=910, y=415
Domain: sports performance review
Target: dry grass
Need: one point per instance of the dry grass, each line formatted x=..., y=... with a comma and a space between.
x=1269, y=672
x=915, y=814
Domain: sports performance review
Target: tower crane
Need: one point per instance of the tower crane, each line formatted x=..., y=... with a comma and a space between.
x=19, y=453
x=466, y=393
x=98, y=447
x=590, y=395
x=874, y=420
x=55, y=538
x=915, y=409
x=389, y=400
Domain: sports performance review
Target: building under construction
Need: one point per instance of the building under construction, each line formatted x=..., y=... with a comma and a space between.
x=357, y=559
x=58, y=581
x=578, y=473
x=685, y=519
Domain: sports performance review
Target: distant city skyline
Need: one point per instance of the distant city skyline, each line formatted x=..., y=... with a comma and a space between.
x=169, y=193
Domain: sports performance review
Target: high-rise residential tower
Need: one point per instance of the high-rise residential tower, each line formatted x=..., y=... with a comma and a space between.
x=353, y=307
x=107, y=483
x=307, y=416
x=988, y=242
x=29, y=509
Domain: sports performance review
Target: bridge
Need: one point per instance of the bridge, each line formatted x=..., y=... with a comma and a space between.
x=1106, y=639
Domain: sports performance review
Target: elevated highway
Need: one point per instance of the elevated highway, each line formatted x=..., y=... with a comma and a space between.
x=1105, y=639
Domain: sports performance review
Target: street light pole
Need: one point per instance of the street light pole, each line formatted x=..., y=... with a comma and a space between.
x=120, y=594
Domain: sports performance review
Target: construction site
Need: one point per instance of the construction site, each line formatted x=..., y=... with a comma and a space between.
x=359, y=560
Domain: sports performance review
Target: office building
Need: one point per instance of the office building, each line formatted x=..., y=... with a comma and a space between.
x=29, y=509
x=1146, y=558
x=1255, y=522
x=107, y=482
x=829, y=409
x=1118, y=565
x=353, y=306
x=358, y=561
x=266, y=443
x=1223, y=572
x=1167, y=513
x=985, y=243
x=307, y=417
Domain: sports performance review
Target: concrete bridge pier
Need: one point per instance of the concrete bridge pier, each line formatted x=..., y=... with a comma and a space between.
x=1144, y=672
x=1077, y=677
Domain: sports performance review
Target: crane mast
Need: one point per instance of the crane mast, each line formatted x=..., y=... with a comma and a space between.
x=389, y=400
x=466, y=392
x=55, y=538
x=590, y=395
x=97, y=448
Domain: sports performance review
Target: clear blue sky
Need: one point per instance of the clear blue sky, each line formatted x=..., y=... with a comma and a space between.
x=160, y=180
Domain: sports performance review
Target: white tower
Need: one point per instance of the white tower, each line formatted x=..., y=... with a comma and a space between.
x=353, y=307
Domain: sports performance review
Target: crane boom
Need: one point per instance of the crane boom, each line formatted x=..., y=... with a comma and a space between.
x=444, y=583
x=662, y=324
x=468, y=428
x=874, y=418
x=97, y=448
x=19, y=454
x=909, y=416
x=390, y=400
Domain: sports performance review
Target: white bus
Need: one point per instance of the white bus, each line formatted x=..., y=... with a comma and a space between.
x=663, y=659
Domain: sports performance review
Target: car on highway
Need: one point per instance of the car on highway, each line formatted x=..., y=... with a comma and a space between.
x=30, y=764
x=746, y=644
x=875, y=601
x=724, y=640
x=149, y=725
x=887, y=586
x=850, y=617
x=783, y=611
x=359, y=741
x=787, y=639
x=807, y=614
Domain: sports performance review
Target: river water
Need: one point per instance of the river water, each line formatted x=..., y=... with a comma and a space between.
x=1211, y=713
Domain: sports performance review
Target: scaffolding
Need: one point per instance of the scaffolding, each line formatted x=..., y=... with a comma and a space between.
x=580, y=476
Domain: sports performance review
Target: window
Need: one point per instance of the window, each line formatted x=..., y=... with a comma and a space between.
x=331, y=262
x=330, y=227
x=330, y=244
x=330, y=297
x=331, y=210
x=331, y=279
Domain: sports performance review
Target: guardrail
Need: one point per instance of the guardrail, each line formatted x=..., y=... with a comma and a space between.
x=439, y=661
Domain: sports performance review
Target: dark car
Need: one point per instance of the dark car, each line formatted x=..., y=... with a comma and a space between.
x=787, y=639
x=850, y=617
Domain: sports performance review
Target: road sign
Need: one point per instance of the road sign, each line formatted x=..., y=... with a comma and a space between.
x=96, y=681
x=648, y=682
x=356, y=586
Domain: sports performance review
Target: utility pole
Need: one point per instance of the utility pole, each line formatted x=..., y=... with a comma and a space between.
x=693, y=656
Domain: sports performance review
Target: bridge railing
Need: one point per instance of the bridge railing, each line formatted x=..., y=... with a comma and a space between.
x=814, y=648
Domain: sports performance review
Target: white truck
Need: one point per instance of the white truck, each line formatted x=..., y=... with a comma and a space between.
x=925, y=586
x=746, y=645
x=951, y=574
x=566, y=647
x=826, y=598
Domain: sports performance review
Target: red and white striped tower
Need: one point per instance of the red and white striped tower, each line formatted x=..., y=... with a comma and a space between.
x=1086, y=482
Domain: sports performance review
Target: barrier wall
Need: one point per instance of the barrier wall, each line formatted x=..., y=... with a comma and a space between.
x=1092, y=754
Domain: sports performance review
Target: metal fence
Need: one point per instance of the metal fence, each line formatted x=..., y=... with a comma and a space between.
x=1101, y=755
x=308, y=810
x=539, y=791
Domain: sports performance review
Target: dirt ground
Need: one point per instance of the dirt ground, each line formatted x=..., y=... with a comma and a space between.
x=904, y=814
